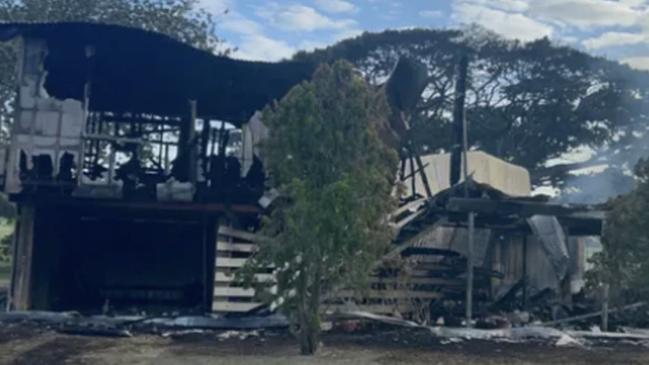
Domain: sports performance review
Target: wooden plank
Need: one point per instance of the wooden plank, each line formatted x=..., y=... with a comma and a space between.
x=412, y=205
x=372, y=308
x=519, y=208
x=389, y=294
x=236, y=247
x=397, y=250
x=404, y=222
x=230, y=262
x=220, y=277
x=21, y=286
x=418, y=280
x=227, y=231
x=233, y=292
x=240, y=307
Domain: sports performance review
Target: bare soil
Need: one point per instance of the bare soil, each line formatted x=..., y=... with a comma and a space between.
x=25, y=344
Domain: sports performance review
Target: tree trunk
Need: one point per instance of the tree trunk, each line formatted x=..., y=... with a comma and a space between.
x=308, y=309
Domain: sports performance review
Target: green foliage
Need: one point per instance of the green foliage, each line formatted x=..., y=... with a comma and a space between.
x=181, y=19
x=335, y=176
x=624, y=262
x=5, y=246
x=526, y=102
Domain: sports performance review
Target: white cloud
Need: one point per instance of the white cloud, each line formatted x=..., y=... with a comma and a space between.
x=249, y=36
x=237, y=23
x=586, y=14
x=215, y=6
x=336, y=6
x=298, y=17
x=614, y=39
x=505, y=5
x=507, y=24
x=641, y=63
x=431, y=14
x=259, y=47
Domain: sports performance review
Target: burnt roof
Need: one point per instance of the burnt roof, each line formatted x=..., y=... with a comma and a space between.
x=138, y=71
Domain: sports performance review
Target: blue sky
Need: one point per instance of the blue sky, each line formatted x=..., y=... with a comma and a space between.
x=272, y=30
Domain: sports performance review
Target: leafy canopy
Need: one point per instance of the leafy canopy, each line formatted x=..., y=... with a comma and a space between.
x=335, y=174
x=624, y=262
x=526, y=102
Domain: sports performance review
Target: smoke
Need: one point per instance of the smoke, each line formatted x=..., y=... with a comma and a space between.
x=610, y=171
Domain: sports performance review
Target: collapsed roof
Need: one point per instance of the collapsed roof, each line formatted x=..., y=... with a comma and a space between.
x=136, y=71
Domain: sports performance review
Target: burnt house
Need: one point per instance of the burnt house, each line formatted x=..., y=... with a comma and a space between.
x=134, y=164
x=127, y=149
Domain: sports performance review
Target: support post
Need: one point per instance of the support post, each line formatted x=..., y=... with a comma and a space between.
x=458, y=120
x=23, y=247
x=413, y=182
x=469, y=271
x=524, y=271
x=605, y=296
x=191, y=143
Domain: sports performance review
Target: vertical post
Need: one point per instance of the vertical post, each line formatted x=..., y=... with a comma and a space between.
x=458, y=120
x=605, y=296
x=524, y=270
x=413, y=182
x=469, y=271
x=21, y=281
x=191, y=142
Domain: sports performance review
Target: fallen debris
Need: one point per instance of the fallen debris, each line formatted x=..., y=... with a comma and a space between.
x=594, y=314
x=516, y=334
x=124, y=326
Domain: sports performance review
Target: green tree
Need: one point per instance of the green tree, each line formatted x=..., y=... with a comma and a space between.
x=624, y=262
x=335, y=175
x=183, y=20
x=526, y=102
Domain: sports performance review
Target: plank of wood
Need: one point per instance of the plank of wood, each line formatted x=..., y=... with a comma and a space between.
x=220, y=277
x=231, y=307
x=372, y=308
x=414, y=205
x=233, y=292
x=417, y=280
x=236, y=247
x=230, y=262
x=244, y=235
x=389, y=294
x=397, y=250
x=404, y=222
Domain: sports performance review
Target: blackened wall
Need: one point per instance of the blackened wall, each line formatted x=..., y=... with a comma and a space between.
x=91, y=257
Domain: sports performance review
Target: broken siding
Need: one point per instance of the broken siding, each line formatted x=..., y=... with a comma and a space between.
x=44, y=125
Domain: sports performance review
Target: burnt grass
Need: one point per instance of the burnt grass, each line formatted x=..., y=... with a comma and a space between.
x=393, y=346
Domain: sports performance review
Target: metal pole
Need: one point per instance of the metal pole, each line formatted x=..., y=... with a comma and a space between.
x=469, y=271
x=605, y=296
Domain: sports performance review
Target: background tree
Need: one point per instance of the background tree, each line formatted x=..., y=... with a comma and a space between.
x=526, y=102
x=335, y=174
x=624, y=262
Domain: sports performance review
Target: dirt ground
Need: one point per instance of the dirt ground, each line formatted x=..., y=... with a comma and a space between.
x=20, y=344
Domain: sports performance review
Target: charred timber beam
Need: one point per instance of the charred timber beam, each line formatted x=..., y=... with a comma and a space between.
x=458, y=120
x=518, y=208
